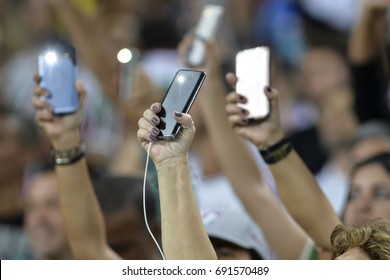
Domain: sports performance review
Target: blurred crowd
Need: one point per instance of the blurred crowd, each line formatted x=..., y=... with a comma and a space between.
x=329, y=63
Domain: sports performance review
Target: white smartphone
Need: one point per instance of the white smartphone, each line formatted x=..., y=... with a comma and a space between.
x=58, y=72
x=207, y=26
x=128, y=60
x=253, y=75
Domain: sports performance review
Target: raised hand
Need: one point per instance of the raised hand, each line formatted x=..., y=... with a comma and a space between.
x=263, y=134
x=163, y=150
x=63, y=131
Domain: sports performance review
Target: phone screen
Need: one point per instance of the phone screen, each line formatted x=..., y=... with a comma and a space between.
x=58, y=71
x=179, y=97
x=253, y=75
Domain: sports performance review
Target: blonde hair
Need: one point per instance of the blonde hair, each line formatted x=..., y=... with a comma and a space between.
x=372, y=238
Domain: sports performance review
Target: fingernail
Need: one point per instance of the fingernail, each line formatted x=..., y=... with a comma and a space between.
x=155, y=131
x=153, y=138
x=242, y=98
x=269, y=89
x=244, y=111
x=178, y=114
x=155, y=120
x=155, y=109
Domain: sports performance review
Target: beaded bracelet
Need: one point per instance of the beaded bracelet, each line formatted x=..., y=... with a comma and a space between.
x=276, y=152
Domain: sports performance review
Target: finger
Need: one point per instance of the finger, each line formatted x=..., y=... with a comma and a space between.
x=231, y=78
x=145, y=137
x=273, y=96
x=149, y=128
x=156, y=107
x=40, y=91
x=236, y=120
x=151, y=117
x=233, y=109
x=44, y=116
x=37, y=79
x=187, y=125
x=82, y=93
x=234, y=98
x=40, y=104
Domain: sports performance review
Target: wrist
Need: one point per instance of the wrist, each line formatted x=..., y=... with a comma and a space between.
x=275, y=138
x=67, y=141
x=173, y=162
x=276, y=152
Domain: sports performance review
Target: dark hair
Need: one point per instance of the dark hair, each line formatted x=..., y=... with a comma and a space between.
x=372, y=129
x=117, y=193
x=382, y=159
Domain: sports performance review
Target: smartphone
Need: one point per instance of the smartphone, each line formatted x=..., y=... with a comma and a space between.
x=180, y=96
x=207, y=26
x=253, y=75
x=58, y=72
x=128, y=59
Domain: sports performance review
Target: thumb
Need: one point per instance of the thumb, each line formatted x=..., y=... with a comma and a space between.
x=187, y=126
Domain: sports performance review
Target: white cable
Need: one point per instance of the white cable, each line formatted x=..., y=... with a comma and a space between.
x=144, y=203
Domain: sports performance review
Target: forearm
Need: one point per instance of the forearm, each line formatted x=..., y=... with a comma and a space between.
x=229, y=146
x=80, y=209
x=183, y=233
x=367, y=37
x=304, y=199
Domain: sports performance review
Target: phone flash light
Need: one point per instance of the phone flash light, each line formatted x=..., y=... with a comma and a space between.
x=181, y=79
x=51, y=57
x=124, y=55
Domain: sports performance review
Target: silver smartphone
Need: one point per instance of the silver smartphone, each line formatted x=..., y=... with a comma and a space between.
x=180, y=96
x=209, y=21
x=253, y=75
x=58, y=73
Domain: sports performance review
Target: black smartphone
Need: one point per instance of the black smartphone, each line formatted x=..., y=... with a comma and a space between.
x=253, y=75
x=58, y=72
x=180, y=96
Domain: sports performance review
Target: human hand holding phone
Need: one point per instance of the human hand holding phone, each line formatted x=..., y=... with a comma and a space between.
x=58, y=74
x=161, y=151
x=63, y=131
x=262, y=134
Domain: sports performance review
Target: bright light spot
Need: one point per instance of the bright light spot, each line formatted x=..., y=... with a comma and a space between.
x=181, y=79
x=50, y=57
x=124, y=55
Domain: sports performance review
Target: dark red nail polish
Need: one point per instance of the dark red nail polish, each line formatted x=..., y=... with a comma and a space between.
x=155, y=121
x=155, y=109
x=178, y=114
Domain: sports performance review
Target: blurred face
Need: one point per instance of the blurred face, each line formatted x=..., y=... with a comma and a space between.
x=228, y=251
x=43, y=220
x=128, y=237
x=369, y=195
x=322, y=69
x=338, y=122
x=354, y=254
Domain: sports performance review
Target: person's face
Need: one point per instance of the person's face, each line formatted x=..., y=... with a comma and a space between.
x=354, y=254
x=128, y=237
x=369, y=196
x=43, y=220
x=228, y=251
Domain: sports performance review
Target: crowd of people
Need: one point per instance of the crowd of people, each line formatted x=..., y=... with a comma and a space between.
x=317, y=169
